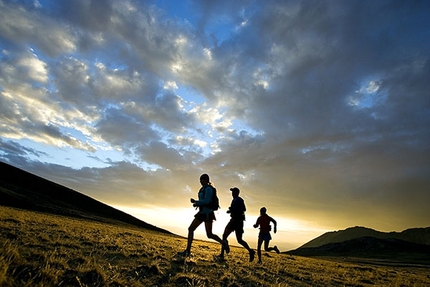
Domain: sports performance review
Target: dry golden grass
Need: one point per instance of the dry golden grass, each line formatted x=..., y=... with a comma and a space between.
x=45, y=250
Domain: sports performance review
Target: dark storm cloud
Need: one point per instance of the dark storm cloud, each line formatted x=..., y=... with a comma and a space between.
x=10, y=147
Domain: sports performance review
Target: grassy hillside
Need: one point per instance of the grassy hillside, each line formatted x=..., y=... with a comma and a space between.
x=24, y=190
x=38, y=249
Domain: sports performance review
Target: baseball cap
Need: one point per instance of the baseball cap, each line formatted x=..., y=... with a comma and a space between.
x=235, y=189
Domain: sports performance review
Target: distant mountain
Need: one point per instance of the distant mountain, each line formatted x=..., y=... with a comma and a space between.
x=371, y=248
x=411, y=245
x=414, y=235
x=24, y=190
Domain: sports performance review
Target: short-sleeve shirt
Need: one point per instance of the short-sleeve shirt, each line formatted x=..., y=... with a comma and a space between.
x=237, y=208
x=264, y=222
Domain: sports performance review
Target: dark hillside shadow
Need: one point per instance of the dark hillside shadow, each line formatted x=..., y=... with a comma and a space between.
x=24, y=190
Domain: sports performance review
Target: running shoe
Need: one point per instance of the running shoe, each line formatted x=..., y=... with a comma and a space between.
x=251, y=255
x=184, y=253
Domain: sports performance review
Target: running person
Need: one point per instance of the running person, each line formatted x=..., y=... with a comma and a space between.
x=237, y=213
x=264, y=222
x=205, y=214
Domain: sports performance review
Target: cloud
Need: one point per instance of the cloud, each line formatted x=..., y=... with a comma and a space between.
x=10, y=147
x=23, y=25
x=319, y=110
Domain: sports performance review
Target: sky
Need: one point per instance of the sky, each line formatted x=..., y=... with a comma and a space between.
x=317, y=110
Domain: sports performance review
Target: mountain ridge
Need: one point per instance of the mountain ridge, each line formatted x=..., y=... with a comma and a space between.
x=419, y=235
x=21, y=189
x=411, y=246
x=371, y=248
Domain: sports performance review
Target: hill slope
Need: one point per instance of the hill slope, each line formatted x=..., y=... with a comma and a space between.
x=24, y=190
x=371, y=248
x=414, y=235
x=42, y=250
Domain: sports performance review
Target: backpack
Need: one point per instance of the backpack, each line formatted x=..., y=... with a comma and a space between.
x=214, y=204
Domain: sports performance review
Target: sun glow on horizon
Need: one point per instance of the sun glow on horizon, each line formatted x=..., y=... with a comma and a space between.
x=291, y=233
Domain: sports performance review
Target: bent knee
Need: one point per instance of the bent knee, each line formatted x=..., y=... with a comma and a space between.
x=190, y=230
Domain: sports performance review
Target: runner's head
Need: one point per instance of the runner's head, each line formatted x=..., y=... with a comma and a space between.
x=204, y=179
x=235, y=191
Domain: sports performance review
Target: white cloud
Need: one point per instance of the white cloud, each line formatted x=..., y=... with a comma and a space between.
x=316, y=109
x=35, y=69
x=170, y=85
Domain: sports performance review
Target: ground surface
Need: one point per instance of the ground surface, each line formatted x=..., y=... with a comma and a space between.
x=39, y=249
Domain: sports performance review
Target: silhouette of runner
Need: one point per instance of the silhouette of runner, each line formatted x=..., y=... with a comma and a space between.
x=264, y=222
x=237, y=213
x=205, y=215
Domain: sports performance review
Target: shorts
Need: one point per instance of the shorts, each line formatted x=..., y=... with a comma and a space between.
x=236, y=225
x=265, y=236
x=205, y=216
